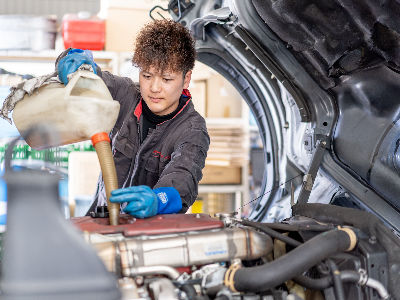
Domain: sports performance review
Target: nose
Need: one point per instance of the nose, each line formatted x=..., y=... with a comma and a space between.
x=155, y=85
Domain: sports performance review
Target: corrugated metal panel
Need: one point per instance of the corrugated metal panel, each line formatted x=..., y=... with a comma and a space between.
x=48, y=7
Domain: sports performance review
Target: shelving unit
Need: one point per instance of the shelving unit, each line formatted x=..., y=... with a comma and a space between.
x=110, y=61
x=240, y=191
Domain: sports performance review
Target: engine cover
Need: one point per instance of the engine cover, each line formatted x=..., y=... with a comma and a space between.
x=160, y=224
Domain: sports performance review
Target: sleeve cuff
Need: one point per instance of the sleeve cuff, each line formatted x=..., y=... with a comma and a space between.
x=169, y=200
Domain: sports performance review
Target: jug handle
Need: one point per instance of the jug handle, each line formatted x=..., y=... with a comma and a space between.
x=75, y=78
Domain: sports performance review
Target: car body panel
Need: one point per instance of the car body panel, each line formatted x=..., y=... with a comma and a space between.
x=330, y=72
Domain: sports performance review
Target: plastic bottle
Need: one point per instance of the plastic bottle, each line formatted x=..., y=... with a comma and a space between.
x=76, y=112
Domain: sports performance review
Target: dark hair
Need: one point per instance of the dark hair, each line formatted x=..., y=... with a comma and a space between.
x=165, y=45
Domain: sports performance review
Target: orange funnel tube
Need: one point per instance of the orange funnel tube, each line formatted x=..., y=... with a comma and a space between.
x=101, y=143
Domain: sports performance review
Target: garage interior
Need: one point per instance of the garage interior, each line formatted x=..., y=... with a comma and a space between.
x=235, y=150
x=299, y=192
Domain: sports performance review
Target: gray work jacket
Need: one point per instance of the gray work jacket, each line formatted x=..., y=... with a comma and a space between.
x=172, y=155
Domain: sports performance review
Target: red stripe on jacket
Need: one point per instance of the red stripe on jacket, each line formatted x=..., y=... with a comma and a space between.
x=139, y=108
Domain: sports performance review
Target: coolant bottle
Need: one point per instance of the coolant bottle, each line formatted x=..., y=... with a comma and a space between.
x=75, y=112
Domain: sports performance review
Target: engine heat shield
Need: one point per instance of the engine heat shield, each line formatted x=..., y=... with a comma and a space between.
x=160, y=224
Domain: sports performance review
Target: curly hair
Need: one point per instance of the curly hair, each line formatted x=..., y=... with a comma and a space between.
x=165, y=45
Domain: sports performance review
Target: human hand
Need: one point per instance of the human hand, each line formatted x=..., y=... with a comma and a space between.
x=72, y=61
x=141, y=201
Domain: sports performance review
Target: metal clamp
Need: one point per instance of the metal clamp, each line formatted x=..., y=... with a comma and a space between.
x=100, y=212
x=363, y=277
x=229, y=275
x=308, y=180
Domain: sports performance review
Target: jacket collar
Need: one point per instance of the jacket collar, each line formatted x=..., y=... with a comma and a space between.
x=139, y=107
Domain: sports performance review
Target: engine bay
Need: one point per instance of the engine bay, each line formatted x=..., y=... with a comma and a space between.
x=320, y=252
x=195, y=256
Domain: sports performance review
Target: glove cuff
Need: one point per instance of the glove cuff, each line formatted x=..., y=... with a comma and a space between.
x=169, y=200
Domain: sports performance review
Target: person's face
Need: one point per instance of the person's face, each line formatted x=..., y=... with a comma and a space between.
x=161, y=91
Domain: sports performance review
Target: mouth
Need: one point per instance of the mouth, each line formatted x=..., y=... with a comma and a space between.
x=155, y=99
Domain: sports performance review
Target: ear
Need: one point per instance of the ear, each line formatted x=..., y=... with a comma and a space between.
x=187, y=79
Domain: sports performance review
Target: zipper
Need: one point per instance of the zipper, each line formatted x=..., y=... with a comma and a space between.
x=139, y=135
x=138, y=153
x=134, y=162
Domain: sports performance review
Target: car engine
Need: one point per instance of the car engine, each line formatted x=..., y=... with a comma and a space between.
x=195, y=256
x=321, y=252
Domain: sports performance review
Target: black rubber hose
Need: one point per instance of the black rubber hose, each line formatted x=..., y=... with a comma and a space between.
x=298, y=227
x=313, y=283
x=337, y=281
x=325, y=282
x=271, y=232
x=189, y=290
x=349, y=276
x=362, y=220
x=294, y=263
x=221, y=297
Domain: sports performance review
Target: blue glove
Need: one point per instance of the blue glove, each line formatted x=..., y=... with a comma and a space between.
x=169, y=200
x=72, y=61
x=143, y=202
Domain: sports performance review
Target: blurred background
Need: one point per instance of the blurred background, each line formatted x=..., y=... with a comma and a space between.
x=34, y=32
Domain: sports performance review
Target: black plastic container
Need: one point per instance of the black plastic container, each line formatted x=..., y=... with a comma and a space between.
x=44, y=256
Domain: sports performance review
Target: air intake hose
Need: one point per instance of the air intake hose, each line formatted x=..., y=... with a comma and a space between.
x=294, y=263
x=101, y=143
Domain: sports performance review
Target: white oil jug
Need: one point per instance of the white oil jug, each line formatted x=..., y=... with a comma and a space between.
x=76, y=112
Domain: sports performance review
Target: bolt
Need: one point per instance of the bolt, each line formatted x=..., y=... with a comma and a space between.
x=139, y=280
x=372, y=239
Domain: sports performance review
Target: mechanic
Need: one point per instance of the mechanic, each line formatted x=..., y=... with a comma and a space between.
x=159, y=141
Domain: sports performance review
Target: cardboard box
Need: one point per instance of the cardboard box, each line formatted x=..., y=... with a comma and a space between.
x=124, y=20
x=223, y=101
x=198, y=90
x=218, y=202
x=122, y=26
x=221, y=175
x=201, y=71
x=83, y=172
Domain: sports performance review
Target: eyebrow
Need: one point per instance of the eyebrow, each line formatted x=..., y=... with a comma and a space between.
x=163, y=75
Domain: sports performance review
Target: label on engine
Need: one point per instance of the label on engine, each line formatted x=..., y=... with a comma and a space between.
x=216, y=249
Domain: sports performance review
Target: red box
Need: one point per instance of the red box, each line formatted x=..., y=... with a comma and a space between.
x=83, y=33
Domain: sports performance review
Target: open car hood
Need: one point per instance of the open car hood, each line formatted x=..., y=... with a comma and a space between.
x=322, y=80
